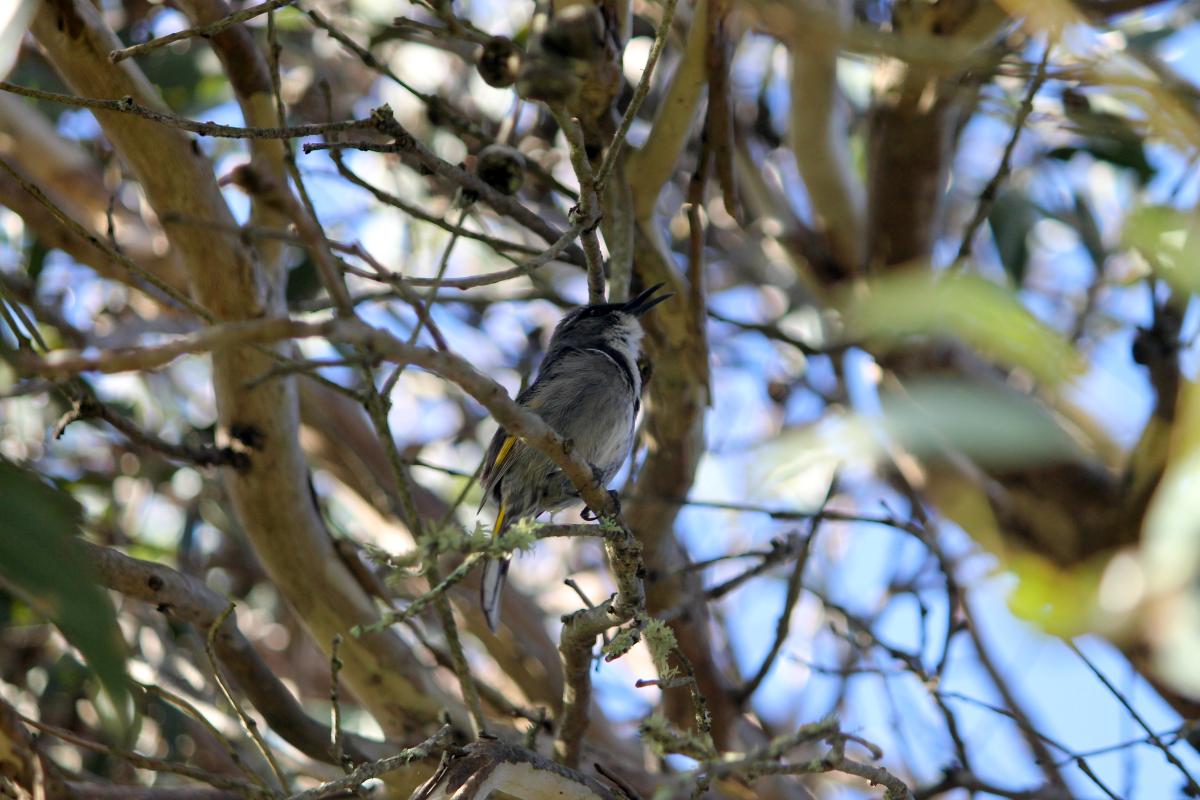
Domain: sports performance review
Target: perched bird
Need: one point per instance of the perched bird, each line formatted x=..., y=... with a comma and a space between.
x=588, y=389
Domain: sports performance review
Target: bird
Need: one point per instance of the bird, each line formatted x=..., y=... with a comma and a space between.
x=588, y=390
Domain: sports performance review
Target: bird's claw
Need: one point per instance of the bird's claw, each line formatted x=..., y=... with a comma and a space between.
x=590, y=515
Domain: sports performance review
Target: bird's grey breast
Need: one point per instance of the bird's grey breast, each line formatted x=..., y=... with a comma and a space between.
x=594, y=405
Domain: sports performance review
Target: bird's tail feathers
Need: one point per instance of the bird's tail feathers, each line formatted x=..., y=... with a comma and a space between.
x=494, y=572
x=490, y=589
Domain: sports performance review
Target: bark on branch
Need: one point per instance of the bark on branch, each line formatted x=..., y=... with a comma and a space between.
x=271, y=498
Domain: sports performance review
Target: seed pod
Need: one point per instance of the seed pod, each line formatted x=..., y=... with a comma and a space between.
x=499, y=62
x=551, y=80
x=575, y=32
x=501, y=167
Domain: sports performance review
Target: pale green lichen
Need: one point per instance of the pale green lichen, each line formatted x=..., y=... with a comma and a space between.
x=661, y=642
x=622, y=643
x=658, y=734
x=610, y=525
x=663, y=738
x=451, y=538
x=521, y=535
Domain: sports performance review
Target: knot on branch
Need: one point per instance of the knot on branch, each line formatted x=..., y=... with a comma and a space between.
x=586, y=220
x=590, y=621
x=385, y=122
x=83, y=408
x=253, y=182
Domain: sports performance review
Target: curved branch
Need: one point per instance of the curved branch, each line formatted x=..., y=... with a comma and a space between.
x=820, y=143
x=189, y=599
x=271, y=499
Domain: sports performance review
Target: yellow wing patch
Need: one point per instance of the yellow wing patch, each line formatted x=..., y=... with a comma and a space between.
x=504, y=451
x=499, y=522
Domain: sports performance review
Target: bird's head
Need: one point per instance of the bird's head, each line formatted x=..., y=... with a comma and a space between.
x=613, y=324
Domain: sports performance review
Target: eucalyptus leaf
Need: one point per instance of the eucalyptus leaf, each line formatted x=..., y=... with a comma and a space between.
x=1012, y=219
x=988, y=317
x=1105, y=136
x=996, y=427
x=1130, y=155
x=1169, y=240
x=1088, y=227
x=39, y=554
x=934, y=420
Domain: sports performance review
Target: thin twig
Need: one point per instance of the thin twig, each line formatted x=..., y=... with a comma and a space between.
x=499, y=245
x=404, y=289
x=82, y=232
x=988, y=196
x=589, y=204
x=417, y=155
x=127, y=105
x=431, y=296
x=377, y=409
x=436, y=591
x=186, y=706
x=335, y=708
x=156, y=764
x=1193, y=787
x=622, y=785
x=437, y=106
x=203, y=30
x=247, y=721
x=431, y=746
x=1036, y=745
x=785, y=617
x=639, y=96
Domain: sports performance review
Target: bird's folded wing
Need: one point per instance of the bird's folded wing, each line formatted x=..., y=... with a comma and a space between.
x=497, y=461
x=504, y=448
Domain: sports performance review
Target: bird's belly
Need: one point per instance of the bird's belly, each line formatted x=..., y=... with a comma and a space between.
x=604, y=435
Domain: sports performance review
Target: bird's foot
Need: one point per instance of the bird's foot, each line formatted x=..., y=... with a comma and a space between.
x=589, y=515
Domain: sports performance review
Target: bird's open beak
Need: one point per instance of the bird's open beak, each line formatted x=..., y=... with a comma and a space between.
x=644, y=302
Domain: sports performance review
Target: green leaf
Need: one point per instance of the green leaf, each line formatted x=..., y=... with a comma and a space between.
x=1106, y=136
x=1124, y=153
x=39, y=554
x=934, y=420
x=303, y=281
x=35, y=258
x=1012, y=218
x=995, y=427
x=1146, y=41
x=1088, y=228
x=986, y=316
x=1060, y=601
x=1169, y=240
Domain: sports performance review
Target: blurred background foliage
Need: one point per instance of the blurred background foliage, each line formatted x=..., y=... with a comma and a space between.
x=943, y=258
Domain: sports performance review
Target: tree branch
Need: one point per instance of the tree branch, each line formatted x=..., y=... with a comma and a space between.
x=271, y=499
